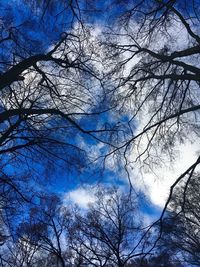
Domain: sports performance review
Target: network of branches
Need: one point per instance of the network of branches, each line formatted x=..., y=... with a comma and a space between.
x=75, y=93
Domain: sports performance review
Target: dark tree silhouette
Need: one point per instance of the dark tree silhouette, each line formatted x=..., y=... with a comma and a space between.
x=40, y=236
x=54, y=88
x=110, y=233
x=158, y=77
x=157, y=44
x=162, y=259
x=182, y=222
x=45, y=93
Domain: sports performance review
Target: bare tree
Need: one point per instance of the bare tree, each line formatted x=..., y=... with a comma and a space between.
x=162, y=259
x=182, y=222
x=158, y=77
x=50, y=88
x=45, y=230
x=157, y=44
x=48, y=93
x=110, y=233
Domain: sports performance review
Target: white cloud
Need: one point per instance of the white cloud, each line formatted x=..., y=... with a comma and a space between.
x=80, y=196
x=157, y=185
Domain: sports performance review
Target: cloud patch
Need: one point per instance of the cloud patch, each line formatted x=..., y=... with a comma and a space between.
x=80, y=196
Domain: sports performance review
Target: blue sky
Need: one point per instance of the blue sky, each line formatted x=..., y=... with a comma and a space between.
x=38, y=34
x=73, y=173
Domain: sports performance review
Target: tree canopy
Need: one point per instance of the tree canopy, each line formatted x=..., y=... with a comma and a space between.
x=106, y=87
